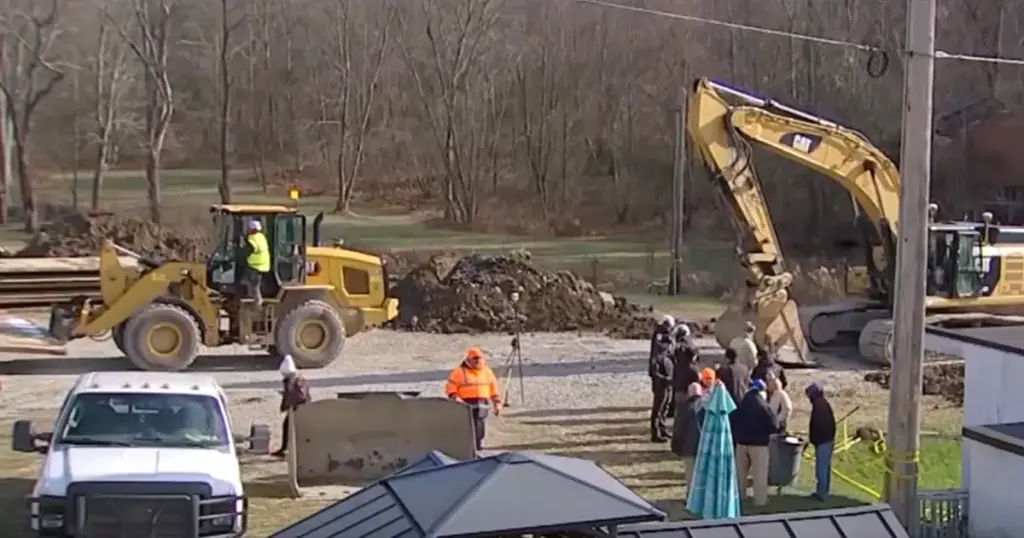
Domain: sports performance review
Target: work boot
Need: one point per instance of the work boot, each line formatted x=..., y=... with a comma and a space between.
x=279, y=453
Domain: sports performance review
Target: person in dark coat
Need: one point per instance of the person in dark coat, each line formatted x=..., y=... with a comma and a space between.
x=294, y=394
x=661, y=392
x=822, y=433
x=687, y=362
x=684, y=359
x=687, y=426
x=766, y=364
x=734, y=375
x=753, y=424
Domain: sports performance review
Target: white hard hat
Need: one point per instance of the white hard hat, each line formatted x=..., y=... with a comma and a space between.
x=254, y=225
x=668, y=320
x=684, y=329
x=287, y=366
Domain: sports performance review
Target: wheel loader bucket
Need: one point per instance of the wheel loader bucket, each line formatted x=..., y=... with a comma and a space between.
x=352, y=441
x=19, y=335
x=777, y=322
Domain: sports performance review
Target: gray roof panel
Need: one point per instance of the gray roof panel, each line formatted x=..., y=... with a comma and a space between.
x=876, y=521
x=508, y=493
x=433, y=459
x=369, y=512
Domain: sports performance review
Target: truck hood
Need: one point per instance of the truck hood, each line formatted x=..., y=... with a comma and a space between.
x=64, y=465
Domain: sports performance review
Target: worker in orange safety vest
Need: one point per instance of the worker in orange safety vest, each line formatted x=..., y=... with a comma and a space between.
x=474, y=383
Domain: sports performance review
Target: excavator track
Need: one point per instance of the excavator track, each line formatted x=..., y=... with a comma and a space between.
x=41, y=282
x=874, y=339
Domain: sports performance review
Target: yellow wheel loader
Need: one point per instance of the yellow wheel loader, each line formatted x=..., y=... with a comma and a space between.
x=975, y=270
x=159, y=314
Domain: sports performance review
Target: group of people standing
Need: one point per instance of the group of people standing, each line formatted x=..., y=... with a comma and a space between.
x=758, y=387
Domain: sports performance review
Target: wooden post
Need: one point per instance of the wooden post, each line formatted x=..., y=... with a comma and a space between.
x=912, y=251
x=675, y=276
x=5, y=148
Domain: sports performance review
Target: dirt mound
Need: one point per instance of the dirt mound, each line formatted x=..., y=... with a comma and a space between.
x=72, y=233
x=945, y=379
x=474, y=294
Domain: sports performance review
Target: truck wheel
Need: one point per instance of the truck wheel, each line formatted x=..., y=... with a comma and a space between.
x=117, y=335
x=162, y=337
x=312, y=333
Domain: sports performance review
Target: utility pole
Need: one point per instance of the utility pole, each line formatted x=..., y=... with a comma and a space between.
x=5, y=142
x=675, y=276
x=911, y=251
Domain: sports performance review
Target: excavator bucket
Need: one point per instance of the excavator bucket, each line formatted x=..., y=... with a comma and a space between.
x=776, y=319
x=352, y=441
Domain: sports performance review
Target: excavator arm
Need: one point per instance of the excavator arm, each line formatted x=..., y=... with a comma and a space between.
x=722, y=130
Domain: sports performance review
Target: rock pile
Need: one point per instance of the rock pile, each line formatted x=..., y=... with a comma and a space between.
x=475, y=294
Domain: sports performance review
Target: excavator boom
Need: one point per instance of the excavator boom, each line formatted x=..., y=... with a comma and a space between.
x=721, y=123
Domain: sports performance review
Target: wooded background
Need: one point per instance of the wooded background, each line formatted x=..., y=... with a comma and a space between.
x=528, y=116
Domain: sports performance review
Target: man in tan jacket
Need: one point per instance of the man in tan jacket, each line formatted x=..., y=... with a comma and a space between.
x=745, y=348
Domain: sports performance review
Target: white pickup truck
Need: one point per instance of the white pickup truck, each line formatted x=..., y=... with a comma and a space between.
x=141, y=454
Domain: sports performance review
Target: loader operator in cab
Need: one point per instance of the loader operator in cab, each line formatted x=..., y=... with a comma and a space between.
x=474, y=383
x=257, y=260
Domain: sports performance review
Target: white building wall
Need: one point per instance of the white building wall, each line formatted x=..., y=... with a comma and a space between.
x=993, y=392
x=995, y=502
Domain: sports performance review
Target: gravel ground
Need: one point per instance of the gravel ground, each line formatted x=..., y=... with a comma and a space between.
x=585, y=395
x=560, y=370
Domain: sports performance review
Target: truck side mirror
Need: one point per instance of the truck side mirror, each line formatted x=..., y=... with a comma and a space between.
x=24, y=440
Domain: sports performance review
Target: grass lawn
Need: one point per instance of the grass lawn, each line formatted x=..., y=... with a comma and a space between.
x=628, y=265
x=616, y=438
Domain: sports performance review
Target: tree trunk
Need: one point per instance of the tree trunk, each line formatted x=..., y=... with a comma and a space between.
x=28, y=195
x=99, y=170
x=153, y=181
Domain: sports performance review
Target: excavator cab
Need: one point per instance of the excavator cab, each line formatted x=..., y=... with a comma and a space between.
x=967, y=265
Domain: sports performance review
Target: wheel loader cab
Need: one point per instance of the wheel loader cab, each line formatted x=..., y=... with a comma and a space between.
x=286, y=236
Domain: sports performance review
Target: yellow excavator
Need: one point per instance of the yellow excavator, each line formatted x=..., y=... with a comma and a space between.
x=159, y=314
x=975, y=270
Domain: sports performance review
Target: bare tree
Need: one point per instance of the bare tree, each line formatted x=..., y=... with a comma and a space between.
x=152, y=23
x=357, y=60
x=224, y=67
x=456, y=88
x=28, y=77
x=108, y=74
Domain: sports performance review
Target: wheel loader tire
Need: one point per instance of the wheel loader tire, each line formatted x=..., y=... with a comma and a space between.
x=312, y=333
x=163, y=338
x=117, y=335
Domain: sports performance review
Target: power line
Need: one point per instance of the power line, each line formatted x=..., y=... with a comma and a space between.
x=734, y=26
x=939, y=55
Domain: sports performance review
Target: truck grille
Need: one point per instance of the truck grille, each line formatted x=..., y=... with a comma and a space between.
x=138, y=516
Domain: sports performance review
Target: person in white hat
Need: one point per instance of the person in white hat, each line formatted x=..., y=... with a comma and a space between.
x=294, y=394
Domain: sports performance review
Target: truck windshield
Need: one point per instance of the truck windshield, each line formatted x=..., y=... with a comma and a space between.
x=166, y=420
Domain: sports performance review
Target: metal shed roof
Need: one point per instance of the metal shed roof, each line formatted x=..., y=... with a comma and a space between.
x=509, y=493
x=876, y=521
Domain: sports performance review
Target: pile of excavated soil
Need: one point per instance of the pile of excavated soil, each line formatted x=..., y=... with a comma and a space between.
x=474, y=294
x=72, y=234
x=944, y=379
